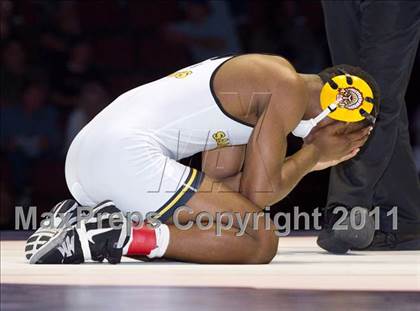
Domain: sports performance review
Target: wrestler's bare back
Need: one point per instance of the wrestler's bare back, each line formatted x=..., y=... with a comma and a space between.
x=246, y=84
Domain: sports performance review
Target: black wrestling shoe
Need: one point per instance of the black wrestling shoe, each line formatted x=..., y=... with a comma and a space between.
x=337, y=240
x=96, y=238
x=54, y=246
x=63, y=215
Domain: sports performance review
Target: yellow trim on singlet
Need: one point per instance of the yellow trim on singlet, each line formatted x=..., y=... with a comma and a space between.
x=185, y=188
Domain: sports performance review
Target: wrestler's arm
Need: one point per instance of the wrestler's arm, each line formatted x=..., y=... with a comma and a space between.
x=224, y=165
x=267, y=177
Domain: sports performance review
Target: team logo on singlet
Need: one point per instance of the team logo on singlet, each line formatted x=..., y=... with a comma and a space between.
x=181, y=74
x=221, y=139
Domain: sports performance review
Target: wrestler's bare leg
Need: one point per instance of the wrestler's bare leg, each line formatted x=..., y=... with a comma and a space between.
x=256, y=245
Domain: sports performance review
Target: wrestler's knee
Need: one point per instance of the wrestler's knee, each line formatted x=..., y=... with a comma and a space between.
x=267, y=243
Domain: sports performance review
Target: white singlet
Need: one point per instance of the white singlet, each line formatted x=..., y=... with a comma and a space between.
x=128, y=153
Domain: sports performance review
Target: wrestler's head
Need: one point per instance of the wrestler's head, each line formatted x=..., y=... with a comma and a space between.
x=341, y=93
x=357, y=90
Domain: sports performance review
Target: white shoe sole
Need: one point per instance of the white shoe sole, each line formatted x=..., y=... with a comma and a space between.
x=48, y=246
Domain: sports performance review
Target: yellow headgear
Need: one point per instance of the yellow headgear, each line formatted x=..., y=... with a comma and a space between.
x=344, y=97
x=352, y=95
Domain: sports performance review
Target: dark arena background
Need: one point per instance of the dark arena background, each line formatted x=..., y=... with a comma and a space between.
x=63, y=61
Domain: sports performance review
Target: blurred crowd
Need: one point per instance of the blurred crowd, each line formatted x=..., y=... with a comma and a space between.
x=64, y=61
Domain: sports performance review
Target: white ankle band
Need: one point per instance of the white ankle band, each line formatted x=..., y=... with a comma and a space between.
x=162, y=241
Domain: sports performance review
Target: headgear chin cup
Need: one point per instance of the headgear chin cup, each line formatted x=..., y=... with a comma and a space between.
x=346, y=98
x=303, y=129
x=305, y=126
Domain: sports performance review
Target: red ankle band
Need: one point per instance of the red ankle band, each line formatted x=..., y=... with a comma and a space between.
x=143, y=241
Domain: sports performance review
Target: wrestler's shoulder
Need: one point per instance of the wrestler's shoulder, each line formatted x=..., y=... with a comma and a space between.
x=271, y=66
x=269, y=70
x=265, y=61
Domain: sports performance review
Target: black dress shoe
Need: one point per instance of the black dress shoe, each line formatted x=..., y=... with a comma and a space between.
x=341, y=234
x=393, y=241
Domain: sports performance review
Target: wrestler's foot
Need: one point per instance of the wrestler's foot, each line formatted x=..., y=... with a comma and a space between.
x=55, y=246
x=96, y=238
x=63, y=215
x=340, y=237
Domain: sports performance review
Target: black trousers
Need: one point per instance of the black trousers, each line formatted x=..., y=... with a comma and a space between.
x=382, y=38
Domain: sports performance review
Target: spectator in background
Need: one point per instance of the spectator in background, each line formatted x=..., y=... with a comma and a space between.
x=69, y=78
x=60, y=33
x=416, y=142
x=299, y=42
x=6, y=9
x=29, y=131
x=281, y=27
x=93, y=98
x=207, y=31
x=260, y=34
x=6, y=202
x=12, y=71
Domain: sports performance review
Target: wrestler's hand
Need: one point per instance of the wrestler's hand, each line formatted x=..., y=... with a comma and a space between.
x=335, y=144
x=326, y=164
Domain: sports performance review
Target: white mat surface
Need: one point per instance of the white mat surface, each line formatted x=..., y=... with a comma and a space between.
x=299, y=264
